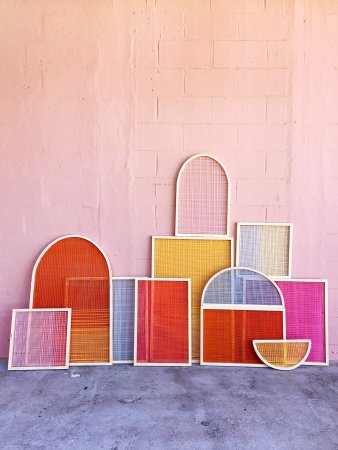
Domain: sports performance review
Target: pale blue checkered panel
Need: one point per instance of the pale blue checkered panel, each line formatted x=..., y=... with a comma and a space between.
x=242, y=287
x=123, y=319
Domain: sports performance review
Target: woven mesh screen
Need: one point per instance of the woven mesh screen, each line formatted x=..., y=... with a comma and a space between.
x=202, y=203
x=39, y=339
x=305, y=315
x=265, y=248
x=123, y=319
x=228, y=334
x=241, y=287
x=163, y=322
x=282, y=355
x=74, y=273
x=197, y=259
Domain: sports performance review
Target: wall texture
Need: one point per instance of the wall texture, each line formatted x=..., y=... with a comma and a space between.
x=101, y=101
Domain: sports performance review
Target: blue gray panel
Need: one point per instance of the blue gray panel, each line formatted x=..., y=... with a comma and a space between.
x=242, y=287
x=123, y=319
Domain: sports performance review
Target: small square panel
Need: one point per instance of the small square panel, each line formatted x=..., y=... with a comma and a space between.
x=265, y=247
x=40, y=339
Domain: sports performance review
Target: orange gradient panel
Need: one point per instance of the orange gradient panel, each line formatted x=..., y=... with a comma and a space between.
x=228, y=334
x=163, y=322
x=73, y=273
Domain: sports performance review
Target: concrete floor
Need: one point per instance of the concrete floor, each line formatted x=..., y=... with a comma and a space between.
x=124, y=407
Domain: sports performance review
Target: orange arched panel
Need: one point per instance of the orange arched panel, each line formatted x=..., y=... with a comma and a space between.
x=73, y=272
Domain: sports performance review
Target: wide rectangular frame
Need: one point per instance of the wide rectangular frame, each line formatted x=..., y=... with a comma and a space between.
x=277, y=224
x=326, y=314
x=11, y=342
x=111, y=318
x=191, y=237
x=231, y=307
x=189, y=323
x=127, y=361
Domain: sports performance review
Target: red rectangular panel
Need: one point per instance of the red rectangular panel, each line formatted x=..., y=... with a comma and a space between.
x=163, y=322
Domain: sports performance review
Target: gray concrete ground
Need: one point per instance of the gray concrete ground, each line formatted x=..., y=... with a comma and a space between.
x=124, y=407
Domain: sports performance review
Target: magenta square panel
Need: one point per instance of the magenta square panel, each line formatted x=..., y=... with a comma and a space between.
x=306, y=315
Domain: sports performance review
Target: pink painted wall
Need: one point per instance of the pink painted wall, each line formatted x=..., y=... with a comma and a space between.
x=101, y=101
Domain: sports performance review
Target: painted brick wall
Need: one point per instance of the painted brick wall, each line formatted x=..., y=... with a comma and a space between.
x=101, y=102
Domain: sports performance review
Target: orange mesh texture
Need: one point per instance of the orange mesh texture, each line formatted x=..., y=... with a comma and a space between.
x=73, y=273
x=228, y=334
x=163, y=322
x=284, y=354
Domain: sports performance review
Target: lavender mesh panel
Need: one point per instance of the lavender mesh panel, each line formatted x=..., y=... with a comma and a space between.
x=242, y=287
x=202, y=206
x=39, y=339
x=123, y=319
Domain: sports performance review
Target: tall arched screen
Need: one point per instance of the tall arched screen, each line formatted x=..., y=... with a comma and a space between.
x=306, y=315
x=162, y=328
x=238, y=306
x=123, y=319
x=202, y=198
x=72, y=272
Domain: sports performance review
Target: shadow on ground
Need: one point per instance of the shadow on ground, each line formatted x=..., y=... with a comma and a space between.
x=126, y=407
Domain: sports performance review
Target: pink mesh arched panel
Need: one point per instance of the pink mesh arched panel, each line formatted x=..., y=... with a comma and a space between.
x=202, y=199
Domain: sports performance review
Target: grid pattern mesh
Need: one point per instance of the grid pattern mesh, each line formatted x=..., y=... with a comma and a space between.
x=39, y=339
x=163, y=322
x=123, y=319
x=203, y=198
x=265, y=248
x=305, y=315
x=228, y=334
x=74, y=273
x=283, y=355
x=242, y=287
x=197, y=259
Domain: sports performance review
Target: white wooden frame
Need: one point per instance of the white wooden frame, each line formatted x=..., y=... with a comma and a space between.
x=31, y=298
x=12, y=338
x=270, y=341
x=186, y=280
x=326, y=316
x=277, y=224
x=206, y=155
x=233, y=307
x=127, y=361
x=193, y=238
